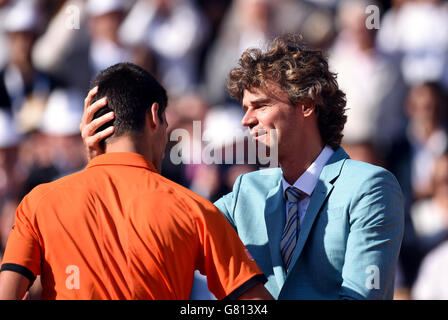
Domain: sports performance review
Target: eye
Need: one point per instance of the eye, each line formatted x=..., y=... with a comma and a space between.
x=262, y=107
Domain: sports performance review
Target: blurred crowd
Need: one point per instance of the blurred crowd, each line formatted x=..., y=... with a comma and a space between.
x=395, y=77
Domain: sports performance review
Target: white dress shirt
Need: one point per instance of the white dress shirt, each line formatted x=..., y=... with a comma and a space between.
x=308, y=181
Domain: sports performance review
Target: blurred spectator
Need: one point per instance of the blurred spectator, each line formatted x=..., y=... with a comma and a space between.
x=364, y=151
x=214, y=12
x=35, y=155
x=56, y=149
x=20, y=79
x=222, y=127
x=9, y=143
x=432, y=280
x=10, y=181
x=188, y=107
x=416, y=32
x=250, y=23
x=388, y=35
x=206, y=181
x=247, y=23
x=75, y=52
x=430, y=216
x=4, y=7
x=106, y=48
x=60, y=124
x=374, y=88
x=314, y=20
x=327, y=3
x=430, y=221
x=412, y=158
x=174, y=31
x=63, y=50
x=7, y=211
x=222, y=131
x=180, y=114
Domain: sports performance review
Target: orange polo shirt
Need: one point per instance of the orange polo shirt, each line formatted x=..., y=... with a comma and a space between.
x=119, y=230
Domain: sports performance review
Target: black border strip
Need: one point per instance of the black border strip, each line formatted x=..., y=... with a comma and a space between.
x=235, y=294
x=19, y=269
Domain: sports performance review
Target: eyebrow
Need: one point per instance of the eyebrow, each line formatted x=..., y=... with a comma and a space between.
x=258, y=102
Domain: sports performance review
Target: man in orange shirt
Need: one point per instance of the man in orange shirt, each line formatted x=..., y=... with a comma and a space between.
x=118, y=229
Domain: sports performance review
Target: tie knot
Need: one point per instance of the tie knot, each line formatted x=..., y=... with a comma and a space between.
x=294, y=194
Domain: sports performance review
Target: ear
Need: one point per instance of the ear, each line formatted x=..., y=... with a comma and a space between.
x=307, y=107
x=152, y=116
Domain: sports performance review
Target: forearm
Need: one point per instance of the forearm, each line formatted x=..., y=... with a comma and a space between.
x=257, y=292
x=13, y=285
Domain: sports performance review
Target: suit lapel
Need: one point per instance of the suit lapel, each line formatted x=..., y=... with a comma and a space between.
x=275, y=220
x=323, y=189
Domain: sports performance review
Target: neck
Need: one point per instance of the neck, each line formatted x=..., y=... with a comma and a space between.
x=122, y=144
x=129, y=144
x=298, y=160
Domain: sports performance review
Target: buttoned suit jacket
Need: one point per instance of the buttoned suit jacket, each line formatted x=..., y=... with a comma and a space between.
x=349, y=239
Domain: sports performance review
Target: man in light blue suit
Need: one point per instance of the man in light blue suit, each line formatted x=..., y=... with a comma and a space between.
x=339, y=235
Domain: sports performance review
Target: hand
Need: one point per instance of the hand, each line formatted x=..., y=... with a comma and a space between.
x=88, y=126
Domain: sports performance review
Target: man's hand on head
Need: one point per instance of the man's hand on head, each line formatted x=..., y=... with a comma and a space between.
x=89, y=125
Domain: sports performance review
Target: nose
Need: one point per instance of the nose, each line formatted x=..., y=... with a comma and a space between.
x=249, y=120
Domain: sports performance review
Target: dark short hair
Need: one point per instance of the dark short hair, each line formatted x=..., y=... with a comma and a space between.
x=130, y=91
x=302, y=73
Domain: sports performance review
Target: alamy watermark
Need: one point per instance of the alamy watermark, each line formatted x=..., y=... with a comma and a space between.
x=197, y=148
x=373, y=18
x=373, y=278
x=72, y=282
x=73, y=17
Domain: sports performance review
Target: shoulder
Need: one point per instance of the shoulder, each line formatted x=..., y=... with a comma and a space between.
x=372, y=192
x=360, y=172
x=179, y=196
x=256, y=185
x=368, y=186
x=48, y=194
x=263, y=179
x=184, y=208
x=248, y=190
x=46, y=190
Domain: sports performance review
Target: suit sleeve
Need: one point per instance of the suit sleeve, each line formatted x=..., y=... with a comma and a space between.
x=374, y=240
x=22, y=253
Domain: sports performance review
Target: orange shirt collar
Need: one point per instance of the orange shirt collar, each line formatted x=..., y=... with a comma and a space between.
x=122, y=159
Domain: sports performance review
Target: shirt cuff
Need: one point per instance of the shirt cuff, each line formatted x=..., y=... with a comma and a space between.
x=252, y=282
x=27, y=273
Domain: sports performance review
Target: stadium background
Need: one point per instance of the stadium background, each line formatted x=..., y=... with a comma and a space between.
x=395, y=76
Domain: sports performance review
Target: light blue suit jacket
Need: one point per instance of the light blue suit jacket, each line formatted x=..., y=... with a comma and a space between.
x=349, y=240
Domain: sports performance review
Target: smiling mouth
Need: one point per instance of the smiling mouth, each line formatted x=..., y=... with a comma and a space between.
x=258, y=133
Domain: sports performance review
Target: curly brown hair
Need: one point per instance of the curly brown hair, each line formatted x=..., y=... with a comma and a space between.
x=302, y=73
